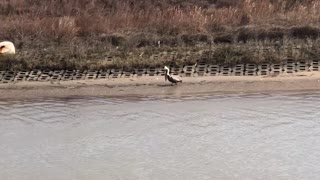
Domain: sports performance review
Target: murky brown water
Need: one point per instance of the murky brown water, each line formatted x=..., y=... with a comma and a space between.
x=257, y=136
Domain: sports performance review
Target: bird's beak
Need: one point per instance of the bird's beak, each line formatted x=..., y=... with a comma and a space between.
x=165, y=77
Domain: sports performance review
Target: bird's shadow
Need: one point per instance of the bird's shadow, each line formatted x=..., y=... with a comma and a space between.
x=166, y=85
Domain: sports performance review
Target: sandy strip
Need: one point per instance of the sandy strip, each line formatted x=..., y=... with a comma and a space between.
x=157, y=86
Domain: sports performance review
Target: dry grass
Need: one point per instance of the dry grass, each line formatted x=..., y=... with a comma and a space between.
x=79, y=33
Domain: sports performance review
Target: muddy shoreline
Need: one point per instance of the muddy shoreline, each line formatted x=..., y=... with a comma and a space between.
x=148, y=86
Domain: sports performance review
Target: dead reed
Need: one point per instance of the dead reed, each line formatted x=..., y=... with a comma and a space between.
x=53, y=32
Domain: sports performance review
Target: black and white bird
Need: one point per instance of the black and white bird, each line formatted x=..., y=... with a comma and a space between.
x=171, y=78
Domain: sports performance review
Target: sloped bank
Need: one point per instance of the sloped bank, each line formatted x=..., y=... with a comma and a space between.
x=289, y=66
x=156, y=86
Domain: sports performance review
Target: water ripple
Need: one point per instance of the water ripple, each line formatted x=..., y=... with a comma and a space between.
x=254, y=136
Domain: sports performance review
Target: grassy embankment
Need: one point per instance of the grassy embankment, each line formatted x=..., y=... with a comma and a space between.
x=82, y=34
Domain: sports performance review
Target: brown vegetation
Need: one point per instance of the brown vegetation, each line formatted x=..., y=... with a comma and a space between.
x=82, y=33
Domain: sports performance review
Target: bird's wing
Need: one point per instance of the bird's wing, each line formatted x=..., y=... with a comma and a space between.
x=177, y=78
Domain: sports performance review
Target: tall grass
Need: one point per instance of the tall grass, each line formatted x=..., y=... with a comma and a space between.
x=109, y=16
x=82, y=29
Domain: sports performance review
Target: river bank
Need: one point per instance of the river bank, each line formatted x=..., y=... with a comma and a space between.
x=142, y=34
x=157, y=86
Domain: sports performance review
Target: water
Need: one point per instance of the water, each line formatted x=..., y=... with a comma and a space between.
x=256, y=136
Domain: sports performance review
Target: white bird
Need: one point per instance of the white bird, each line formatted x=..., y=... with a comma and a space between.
x=7, y=47
x=171, y=78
